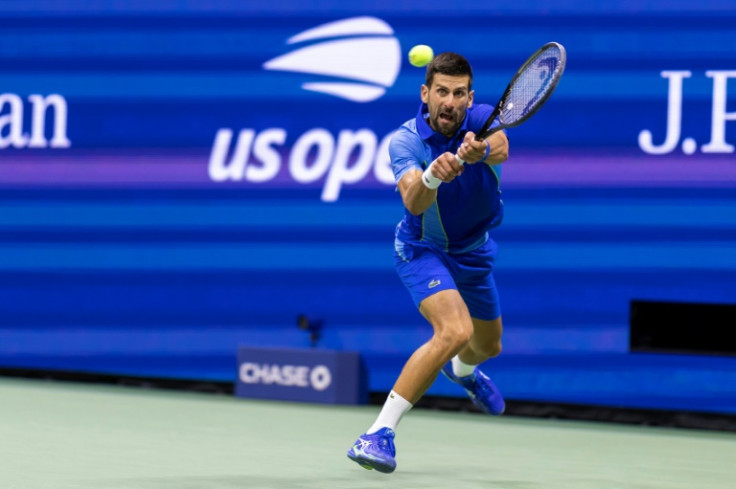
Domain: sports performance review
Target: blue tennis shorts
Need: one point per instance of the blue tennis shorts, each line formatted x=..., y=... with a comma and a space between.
x=426, y=270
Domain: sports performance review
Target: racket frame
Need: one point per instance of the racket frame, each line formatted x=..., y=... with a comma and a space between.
x=484, y=131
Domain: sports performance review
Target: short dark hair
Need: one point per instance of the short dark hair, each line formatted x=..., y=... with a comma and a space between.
x=451, y=64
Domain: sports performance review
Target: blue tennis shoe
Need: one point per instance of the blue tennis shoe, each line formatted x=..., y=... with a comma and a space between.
x=375, y=451
x=481, y=389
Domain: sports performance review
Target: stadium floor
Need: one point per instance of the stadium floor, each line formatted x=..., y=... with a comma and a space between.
x=61, y=435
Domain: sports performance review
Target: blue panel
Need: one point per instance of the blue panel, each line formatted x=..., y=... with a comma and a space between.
x=166, y=197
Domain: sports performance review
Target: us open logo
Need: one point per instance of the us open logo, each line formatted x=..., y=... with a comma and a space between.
x=367, y=54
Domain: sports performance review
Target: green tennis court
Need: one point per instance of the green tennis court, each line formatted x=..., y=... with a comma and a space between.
x=59, y=435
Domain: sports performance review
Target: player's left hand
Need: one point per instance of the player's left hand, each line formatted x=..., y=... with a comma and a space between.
x=472, y=151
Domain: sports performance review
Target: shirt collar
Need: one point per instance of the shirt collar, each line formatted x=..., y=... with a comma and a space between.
x=426, y=131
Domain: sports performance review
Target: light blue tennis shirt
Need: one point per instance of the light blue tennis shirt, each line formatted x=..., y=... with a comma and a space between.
x=466, y=208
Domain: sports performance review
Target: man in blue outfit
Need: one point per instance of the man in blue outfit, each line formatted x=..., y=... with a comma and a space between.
x=443, y=253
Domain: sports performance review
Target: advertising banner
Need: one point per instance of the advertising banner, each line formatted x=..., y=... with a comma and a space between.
x=181, y=178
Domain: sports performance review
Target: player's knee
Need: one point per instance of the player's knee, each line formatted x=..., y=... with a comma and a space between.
x=491, y=348
x=463, y=335
x=453, y=338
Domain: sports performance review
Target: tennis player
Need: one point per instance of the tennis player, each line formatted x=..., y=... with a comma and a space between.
x=443, y=252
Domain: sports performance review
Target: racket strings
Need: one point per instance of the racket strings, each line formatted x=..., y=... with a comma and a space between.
x=530, y=89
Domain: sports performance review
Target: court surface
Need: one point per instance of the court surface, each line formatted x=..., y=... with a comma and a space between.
x=63, y=435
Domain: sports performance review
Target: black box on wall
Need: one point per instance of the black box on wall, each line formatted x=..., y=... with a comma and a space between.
x=681, y=327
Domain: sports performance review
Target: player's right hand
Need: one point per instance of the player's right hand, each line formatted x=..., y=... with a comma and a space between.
x=446, y=167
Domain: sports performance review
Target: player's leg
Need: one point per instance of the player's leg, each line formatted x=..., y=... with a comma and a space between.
x=463, y=369
x=425, y=273
x=433, y=290
x=485, y=342
x=476, y=284
x=453, y=327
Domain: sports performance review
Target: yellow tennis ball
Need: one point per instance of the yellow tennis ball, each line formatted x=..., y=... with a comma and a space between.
x=420, y=55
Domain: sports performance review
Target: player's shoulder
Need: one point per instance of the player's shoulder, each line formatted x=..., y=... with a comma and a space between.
x=480, y=110
x=407, y=128
x=478, y=114
x=407, y=134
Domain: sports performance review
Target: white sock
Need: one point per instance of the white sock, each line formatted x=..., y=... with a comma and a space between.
x=391, y=412
x=461, y=369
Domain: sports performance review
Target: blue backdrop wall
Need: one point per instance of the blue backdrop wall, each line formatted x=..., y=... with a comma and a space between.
x=180, y=178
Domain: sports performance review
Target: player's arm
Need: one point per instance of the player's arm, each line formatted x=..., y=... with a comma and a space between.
x=418, y=195
x=499, y=145
x=493, y=150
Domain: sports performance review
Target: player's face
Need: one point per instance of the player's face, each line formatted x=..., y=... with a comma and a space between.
x=447, y=98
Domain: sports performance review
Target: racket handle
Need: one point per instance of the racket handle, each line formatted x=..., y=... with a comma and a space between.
x=460, y=161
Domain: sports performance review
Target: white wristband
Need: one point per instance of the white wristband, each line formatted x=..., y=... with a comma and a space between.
x=429, y=180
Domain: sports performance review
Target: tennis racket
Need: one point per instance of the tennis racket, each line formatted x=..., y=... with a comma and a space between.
x=528, y=90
